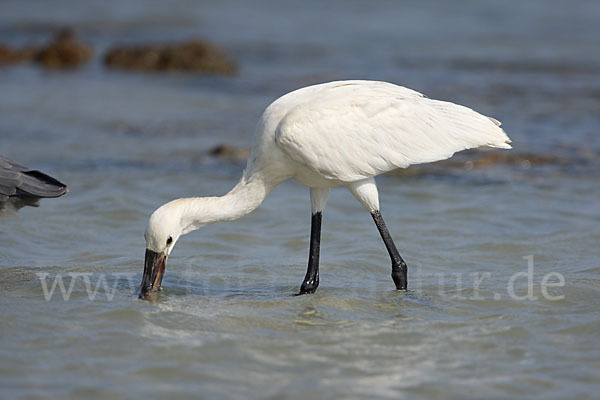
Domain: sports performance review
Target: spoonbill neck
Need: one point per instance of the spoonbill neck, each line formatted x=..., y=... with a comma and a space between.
x=248, y=194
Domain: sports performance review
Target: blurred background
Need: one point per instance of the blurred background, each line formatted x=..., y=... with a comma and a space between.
x=134, y=103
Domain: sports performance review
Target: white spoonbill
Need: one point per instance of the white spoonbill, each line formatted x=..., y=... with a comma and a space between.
x=332, y=134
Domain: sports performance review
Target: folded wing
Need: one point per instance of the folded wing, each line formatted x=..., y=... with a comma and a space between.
x=352, y=132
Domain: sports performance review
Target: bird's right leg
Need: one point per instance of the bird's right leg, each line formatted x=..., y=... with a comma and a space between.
x=311, y=280
x=318, y=198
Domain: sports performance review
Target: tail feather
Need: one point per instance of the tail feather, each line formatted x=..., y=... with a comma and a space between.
x=500, y=145
x=495, y=121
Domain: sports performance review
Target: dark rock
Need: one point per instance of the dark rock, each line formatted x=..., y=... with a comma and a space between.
x=8, y=55
x=65, y=51
x=228, y=152
x=192, y=56
x=471, y=159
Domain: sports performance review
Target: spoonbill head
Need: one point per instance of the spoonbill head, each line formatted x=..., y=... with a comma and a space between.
x=162, y=233
x=333, y=134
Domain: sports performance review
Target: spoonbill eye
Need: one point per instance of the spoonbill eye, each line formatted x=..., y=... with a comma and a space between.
x=169, y=240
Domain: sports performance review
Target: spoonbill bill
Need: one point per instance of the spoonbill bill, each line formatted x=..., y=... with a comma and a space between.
x=328, y=135
x=21, y=186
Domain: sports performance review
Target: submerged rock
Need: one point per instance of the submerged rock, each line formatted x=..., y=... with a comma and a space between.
x=8, y=55
x=228, y=152
x=192, y=56
x=471, y=159
x=65, y=51
x=490, y=159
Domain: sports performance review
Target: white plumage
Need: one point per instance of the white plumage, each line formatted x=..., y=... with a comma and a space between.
x=354, y=130
x=333, y=134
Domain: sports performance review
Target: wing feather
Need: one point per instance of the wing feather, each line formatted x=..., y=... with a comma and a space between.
x=355, y=131
x=17, y=180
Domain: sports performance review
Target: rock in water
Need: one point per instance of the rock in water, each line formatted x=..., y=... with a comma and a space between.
x=191, y=56
x=65, y=51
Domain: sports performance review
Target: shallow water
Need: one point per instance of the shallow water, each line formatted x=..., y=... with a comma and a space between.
x=227, y=324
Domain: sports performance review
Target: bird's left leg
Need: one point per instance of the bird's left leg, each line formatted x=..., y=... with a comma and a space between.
x=318, y=199
x=365, y=191
x=399, y=268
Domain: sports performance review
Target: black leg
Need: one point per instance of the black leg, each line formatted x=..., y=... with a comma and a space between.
x=399, y=268
x=311, y=280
